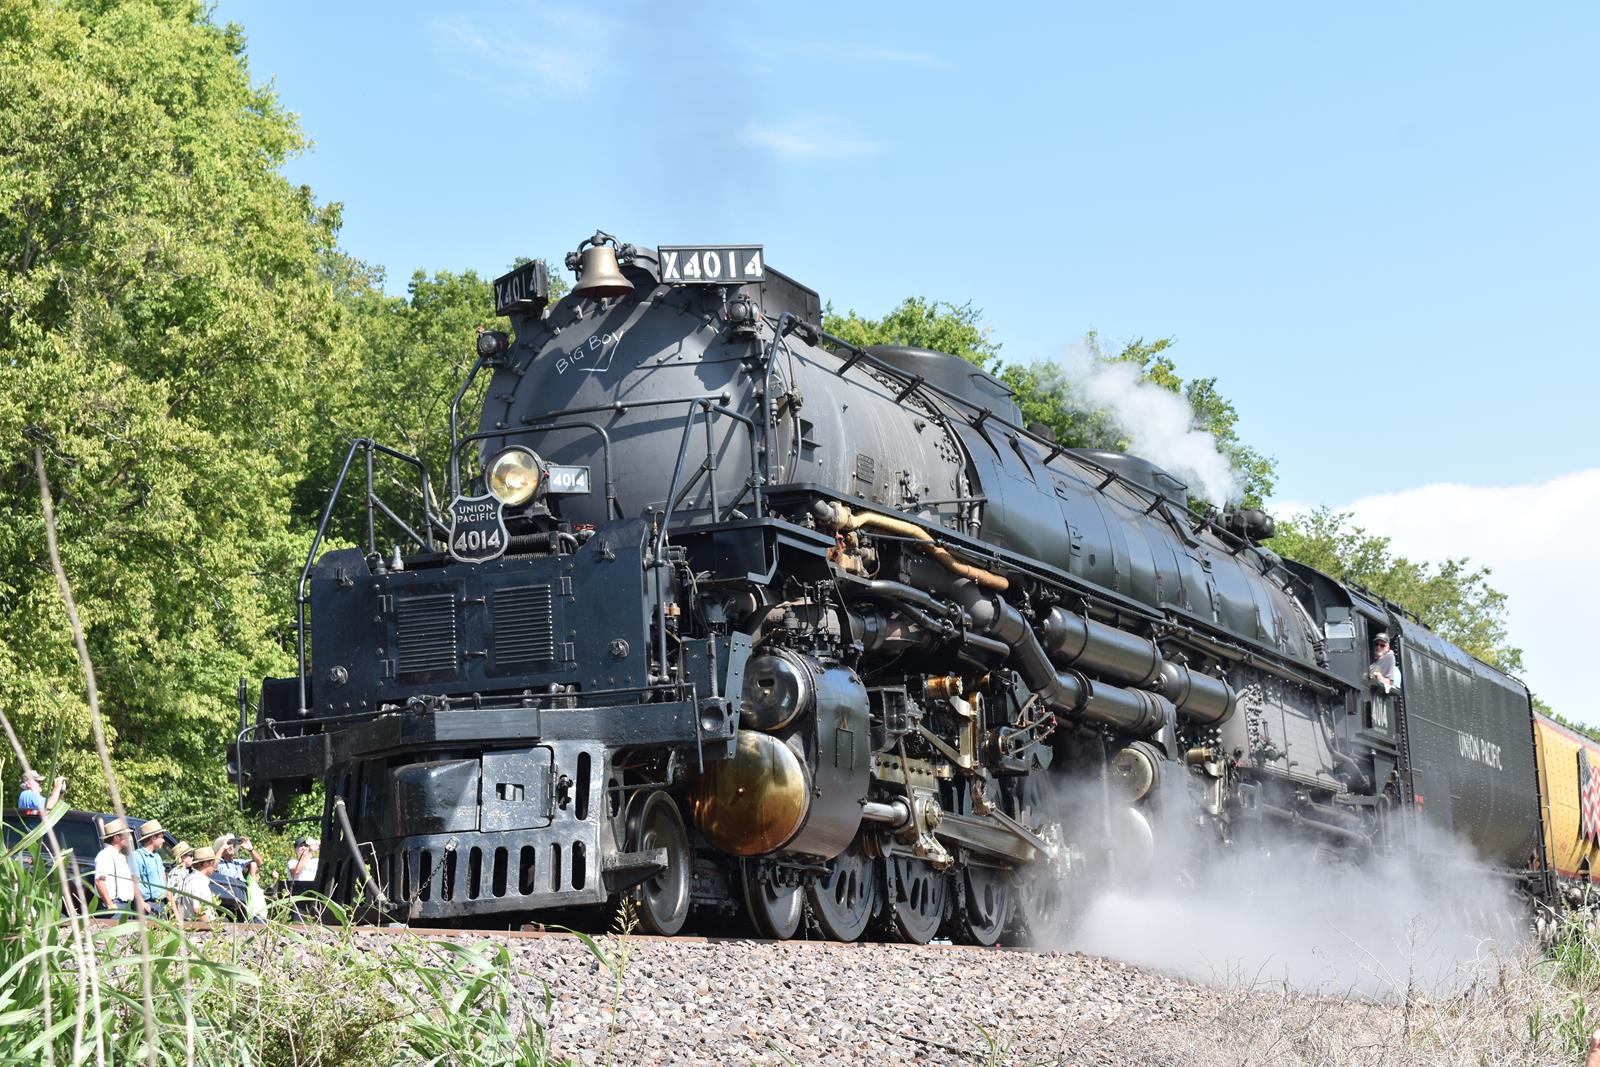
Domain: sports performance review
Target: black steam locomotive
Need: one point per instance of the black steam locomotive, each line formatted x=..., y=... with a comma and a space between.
x=739, y=618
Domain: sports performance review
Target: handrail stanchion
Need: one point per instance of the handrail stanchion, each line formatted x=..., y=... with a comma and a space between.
x=372, y=527
x=302, y=598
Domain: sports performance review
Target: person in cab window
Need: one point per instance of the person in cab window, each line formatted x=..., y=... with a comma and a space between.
x=1383, y=672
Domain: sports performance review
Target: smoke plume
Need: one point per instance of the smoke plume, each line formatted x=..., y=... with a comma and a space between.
x=1159, y=424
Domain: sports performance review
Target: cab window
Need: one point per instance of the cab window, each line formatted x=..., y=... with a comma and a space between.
x=1340, y=630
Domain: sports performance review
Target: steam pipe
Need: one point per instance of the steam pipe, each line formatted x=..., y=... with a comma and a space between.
x=1084, y=644
x=1073, y=640
x=839, y=517
x=1134, y=711
x=1197, y=696
x=922, y=608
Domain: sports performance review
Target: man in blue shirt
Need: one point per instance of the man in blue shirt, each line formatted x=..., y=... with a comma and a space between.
x=31, y=805
x=149, y=871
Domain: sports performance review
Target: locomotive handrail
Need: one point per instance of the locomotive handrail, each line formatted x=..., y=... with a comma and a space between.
x=613, y=505
x=373, y=504
x=455, y=414
x=712, y=403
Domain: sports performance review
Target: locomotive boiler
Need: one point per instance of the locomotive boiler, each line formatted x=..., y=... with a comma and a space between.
x=726, y=616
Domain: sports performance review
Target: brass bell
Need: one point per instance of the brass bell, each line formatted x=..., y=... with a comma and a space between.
x=599, y=275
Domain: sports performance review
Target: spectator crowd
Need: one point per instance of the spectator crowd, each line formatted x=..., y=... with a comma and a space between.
x=136, y=873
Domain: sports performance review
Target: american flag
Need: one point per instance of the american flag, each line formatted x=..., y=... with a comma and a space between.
x=1589, y=797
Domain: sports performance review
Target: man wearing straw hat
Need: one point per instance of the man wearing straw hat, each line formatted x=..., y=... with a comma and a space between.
x=113, y=878
x=199, y=899
x=148, y=869
x=182, y=858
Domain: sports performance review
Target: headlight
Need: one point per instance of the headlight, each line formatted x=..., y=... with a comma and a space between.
x=515, y=476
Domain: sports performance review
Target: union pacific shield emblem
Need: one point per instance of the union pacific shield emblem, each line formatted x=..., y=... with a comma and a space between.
x=477, y=528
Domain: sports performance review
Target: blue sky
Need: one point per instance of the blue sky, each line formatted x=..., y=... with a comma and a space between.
x=1374, y=224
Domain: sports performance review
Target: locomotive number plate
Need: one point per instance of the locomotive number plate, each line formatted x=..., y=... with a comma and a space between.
x=711, y=264
x=477, y=529
x=524, y=289
x=568, y=479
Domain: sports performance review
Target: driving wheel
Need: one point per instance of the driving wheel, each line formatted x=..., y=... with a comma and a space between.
x=663, y=898
x=844, y=901
x=987, y=900
x=1042, y=893
x=775, y=910
x=986, y=896
x=917, y=900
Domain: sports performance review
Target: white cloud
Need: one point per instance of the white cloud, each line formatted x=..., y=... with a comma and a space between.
x=1539, y=541
x=808, y=139
x=543, y=56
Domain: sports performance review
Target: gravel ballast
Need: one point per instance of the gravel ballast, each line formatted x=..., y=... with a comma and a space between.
x=693, y=1002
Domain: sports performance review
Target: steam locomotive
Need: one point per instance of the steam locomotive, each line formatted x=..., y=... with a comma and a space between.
x=739, y=619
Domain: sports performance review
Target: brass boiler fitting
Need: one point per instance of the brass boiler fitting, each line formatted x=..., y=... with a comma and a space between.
x=840, y=517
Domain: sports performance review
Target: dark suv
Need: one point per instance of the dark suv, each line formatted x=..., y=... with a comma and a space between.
x=78, y=833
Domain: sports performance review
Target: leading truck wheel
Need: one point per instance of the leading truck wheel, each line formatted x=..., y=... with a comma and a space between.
x=663, y=899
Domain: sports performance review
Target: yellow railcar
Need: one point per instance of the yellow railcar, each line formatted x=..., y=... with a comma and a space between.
x=1569, y=850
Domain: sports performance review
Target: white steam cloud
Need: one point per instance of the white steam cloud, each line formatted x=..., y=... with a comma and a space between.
x=1291, y=914
x=1159, y=424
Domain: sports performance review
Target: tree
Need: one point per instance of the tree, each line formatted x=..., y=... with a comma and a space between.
x=923, y=323
x=1452, y=598
x=170, y=335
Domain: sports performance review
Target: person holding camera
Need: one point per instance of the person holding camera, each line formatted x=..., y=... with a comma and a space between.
x=31, y=804
x=228, y=849
x=303, y=868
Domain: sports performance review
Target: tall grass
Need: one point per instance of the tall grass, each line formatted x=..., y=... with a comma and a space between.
x=266, y=995
x=1571, y=965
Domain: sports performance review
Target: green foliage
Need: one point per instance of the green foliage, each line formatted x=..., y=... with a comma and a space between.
x=936, y=324
x=167, y=329
x=1572, y=960
x=1452, y=598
